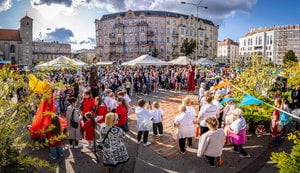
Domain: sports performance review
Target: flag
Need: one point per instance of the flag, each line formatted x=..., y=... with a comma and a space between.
x=226, y=100
x=223, y=84
x=250, y=100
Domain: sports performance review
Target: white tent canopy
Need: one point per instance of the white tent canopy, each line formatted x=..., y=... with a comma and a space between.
x=61, y=61
x=103, y=63
x=146, y=60
x=182, y=60
x=206, y=61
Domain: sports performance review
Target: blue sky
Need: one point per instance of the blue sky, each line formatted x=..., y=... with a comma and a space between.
x=72, y=21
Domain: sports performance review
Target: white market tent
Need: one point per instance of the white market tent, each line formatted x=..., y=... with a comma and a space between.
x=61, y=61
x=206, y=61
x=103, y=63
x=146, y=60
x=182, y=60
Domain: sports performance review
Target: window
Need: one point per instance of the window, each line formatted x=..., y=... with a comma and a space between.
x=181, y=40
x=168, y=22
x=174, y=30
x=156, y=40
x=270, y=39
x=156, y=30
x=162, y=39
x=174, y=40
x=174, y=22
x=143, y=29
x=191, y=33
x=168, y=30
x=12, y=49
x=259, y=40
x=168, y=40
x=186, y=32
x=201, y=34
x=181, y=31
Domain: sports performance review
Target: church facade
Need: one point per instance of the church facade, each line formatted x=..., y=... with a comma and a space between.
x=18, y=47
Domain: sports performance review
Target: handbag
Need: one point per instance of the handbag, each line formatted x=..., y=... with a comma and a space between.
x=72, y=122
x=105, y=137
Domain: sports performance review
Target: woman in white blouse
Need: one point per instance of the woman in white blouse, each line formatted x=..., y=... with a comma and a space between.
x=187, y=102
x=185, y=124
x=212, y=142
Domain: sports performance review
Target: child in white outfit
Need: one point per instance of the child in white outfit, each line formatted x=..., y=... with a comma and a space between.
x=157, y=119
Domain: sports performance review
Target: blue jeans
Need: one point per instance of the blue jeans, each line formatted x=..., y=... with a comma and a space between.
x=57, y=151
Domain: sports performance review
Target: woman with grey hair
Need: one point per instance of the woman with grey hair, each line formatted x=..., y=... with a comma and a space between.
x=237, y=133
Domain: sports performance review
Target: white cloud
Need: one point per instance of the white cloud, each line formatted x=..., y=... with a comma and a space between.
x=5, y=5
x=52, y=10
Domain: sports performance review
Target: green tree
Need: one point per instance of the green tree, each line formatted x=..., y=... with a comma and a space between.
x=155, y=52
x=289, y=162
x=14, y=113
x=188, y=47
x=289, y=57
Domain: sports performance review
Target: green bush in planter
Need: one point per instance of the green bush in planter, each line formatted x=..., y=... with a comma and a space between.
x=289, y=162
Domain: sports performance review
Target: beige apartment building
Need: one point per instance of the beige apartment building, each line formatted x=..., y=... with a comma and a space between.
x=228, y=51
x=127, y=35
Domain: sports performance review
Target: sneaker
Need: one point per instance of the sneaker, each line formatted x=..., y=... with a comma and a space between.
x=52, y=157
x=182, y=152
x=160, y=135
x=154, y=136
x=78, y=146
x=139, y=142
x=213, y=166
x=90, y=146
x=244, y=157
x=146, y=144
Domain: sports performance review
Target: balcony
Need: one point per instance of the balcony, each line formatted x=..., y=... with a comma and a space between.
x=174, y=34
x=118, y=25
x=142, y=23
x=150, y=42
x=112, y=43
x=120, y=43
x=112, y=35
x=150, y=33
x=142, y=42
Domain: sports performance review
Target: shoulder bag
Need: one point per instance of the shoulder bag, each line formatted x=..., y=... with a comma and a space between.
x=72, y=122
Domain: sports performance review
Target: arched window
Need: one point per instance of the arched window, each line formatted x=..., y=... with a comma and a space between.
x=12, y=49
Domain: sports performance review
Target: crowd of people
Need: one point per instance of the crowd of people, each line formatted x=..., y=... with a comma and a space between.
x=96, y=104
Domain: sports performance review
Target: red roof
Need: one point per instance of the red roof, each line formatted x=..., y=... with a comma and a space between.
x=10, y=35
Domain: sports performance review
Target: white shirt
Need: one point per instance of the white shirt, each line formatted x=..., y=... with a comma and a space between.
x=201, y=92
x=185, y=122
x=127, y=99
x=110, y=103
x=217, y=103
x=191, y=109
x=208, y=111
x=238, y=125
x=157, y=115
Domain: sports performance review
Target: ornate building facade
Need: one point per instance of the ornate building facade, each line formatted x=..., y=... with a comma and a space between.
x=127, y=35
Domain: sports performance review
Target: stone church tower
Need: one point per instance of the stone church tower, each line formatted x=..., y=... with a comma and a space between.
x=26, y=28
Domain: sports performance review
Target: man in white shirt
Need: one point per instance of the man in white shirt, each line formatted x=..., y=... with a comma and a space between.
x=207, y=111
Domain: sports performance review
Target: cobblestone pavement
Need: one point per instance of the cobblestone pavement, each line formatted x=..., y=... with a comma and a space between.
x=155, y=159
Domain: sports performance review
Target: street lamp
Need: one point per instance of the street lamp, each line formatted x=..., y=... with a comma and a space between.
x=197, y=6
